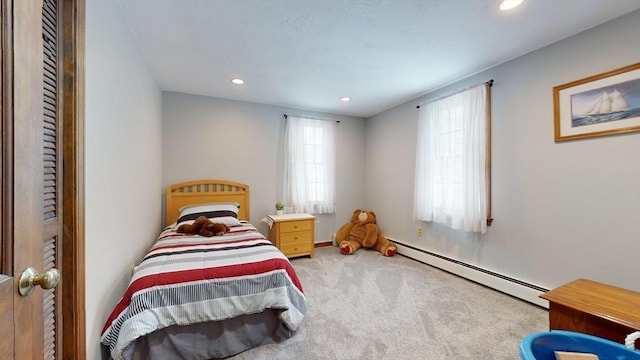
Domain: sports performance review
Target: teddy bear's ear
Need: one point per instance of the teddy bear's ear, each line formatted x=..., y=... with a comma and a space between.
x=372, y=213
x=357, y=211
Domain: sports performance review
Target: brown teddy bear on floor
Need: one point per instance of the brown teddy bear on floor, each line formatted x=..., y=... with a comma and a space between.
x=203, y=227
x=362, y=231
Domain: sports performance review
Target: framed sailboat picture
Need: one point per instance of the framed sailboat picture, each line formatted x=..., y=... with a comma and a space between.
x=603, y=104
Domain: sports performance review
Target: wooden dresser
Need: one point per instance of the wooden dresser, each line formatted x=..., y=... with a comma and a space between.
x=293, y=234
x=594, y=308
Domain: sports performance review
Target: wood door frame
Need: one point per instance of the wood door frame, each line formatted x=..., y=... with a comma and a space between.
x=73, y=325
x=6, y=245
x=73, y=86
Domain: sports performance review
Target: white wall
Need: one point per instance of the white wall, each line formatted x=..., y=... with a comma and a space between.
x=122, y=169
x=562, y=210
x=205, y=137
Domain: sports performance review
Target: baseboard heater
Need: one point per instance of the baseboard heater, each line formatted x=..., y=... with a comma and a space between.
x=499, y=282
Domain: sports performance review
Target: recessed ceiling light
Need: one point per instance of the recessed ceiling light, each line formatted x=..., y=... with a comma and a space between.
x=345, y=99
x=509, y=4
x=237, y=81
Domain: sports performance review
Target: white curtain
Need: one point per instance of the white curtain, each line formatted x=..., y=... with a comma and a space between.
x=309, y=165
x=451, y=184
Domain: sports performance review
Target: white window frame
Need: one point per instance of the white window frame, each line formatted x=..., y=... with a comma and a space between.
x=309, y=165
x=453, y=167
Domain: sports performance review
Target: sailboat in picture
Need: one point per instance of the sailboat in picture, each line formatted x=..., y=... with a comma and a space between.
x=608, y=103
x=607, y=107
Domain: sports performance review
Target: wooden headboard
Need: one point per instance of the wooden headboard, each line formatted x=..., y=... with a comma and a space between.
x=205, y=191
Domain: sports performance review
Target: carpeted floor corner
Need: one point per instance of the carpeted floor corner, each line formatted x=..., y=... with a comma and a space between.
x=366, y=306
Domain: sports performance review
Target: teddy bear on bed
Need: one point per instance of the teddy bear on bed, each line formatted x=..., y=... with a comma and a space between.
x=203, y=227
x=362, y=231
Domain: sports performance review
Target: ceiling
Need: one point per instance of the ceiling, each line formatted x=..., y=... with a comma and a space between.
x=307, y=54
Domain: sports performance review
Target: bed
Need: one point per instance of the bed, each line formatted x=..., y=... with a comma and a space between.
x=194, y=297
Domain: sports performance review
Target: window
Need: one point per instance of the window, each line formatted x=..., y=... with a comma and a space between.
x=309, y=165
x=452, y=161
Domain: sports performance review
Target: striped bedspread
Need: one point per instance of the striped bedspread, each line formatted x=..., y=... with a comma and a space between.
x=186, y=279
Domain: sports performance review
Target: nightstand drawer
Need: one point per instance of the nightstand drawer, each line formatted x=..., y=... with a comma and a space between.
x=290, y=249
x=300, y=225
x=296, y=237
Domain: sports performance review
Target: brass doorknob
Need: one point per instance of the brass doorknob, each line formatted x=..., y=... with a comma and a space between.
x=30, y=279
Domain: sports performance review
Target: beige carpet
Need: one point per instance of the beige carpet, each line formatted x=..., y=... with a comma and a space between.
x=366, y=306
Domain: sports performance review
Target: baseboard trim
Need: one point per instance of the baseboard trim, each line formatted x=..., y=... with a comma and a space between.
x=323, y=244
x=505, y=284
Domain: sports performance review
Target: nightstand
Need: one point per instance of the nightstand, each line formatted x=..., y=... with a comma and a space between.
x=293, y=234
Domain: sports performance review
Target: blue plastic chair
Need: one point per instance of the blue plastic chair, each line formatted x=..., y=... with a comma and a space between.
x=541, y=346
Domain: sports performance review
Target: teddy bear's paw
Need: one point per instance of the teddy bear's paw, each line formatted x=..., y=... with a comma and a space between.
x=346, y=249
x=182, y=229
x=390, y=251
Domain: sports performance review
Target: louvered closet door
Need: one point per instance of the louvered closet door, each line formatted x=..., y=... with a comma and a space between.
x=51, y=186
x=33, y=93
x=36, y=169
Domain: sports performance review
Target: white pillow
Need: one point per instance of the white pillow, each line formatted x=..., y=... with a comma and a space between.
x=222, y=212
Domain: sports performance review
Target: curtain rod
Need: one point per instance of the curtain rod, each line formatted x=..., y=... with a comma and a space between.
x=488, y=82
x=311, y=117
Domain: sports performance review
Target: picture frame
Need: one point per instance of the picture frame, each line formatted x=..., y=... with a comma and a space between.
x=599, y=105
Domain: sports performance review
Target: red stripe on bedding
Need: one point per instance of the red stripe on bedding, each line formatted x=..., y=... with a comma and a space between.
x=244, y=228
x=232, y=230
x=186, y=276
x=210, y=244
